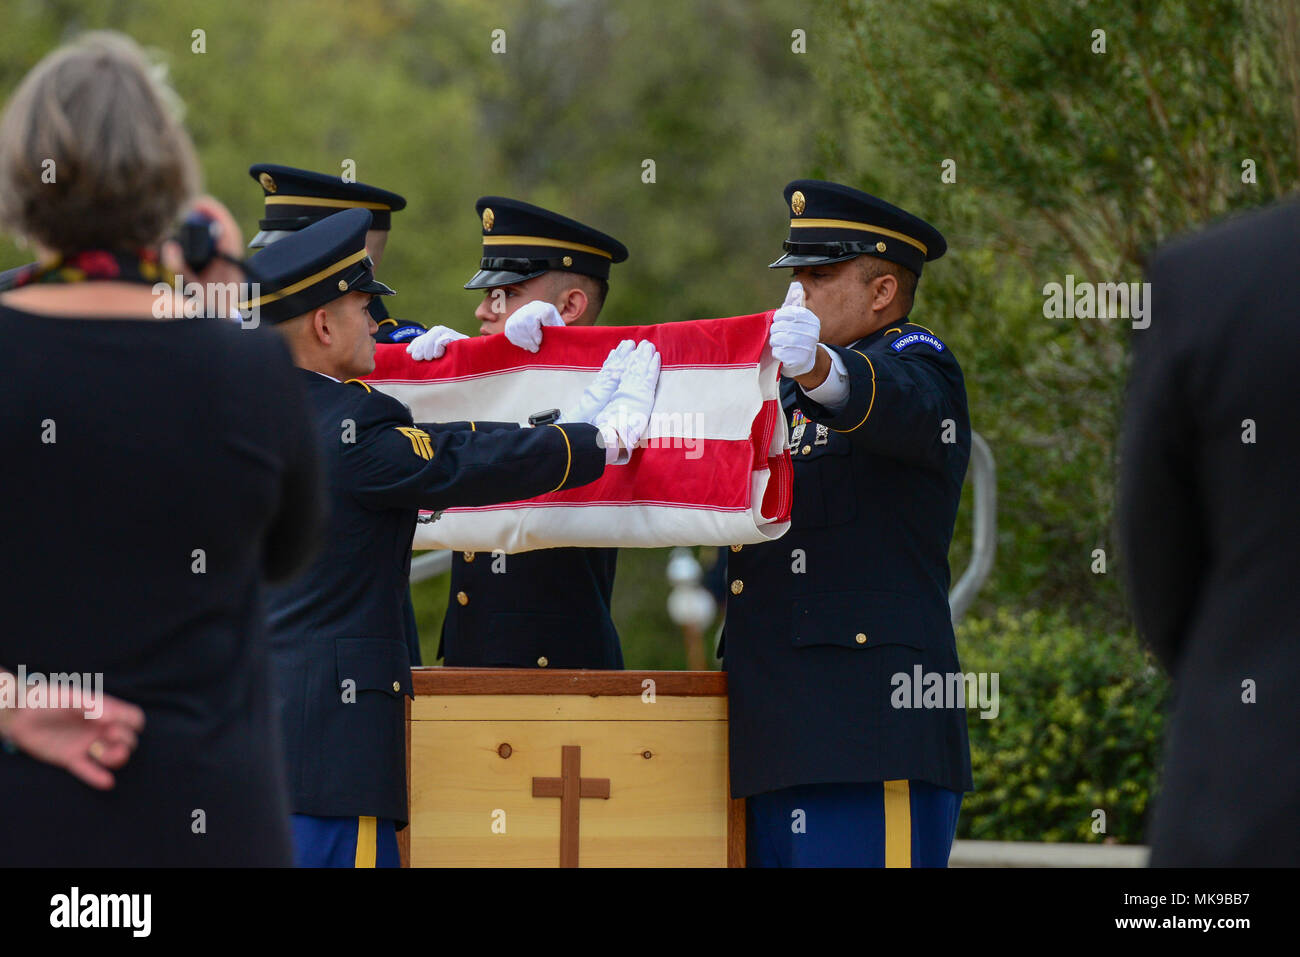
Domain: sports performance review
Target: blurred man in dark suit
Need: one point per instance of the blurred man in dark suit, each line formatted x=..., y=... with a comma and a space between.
x=1211, y=536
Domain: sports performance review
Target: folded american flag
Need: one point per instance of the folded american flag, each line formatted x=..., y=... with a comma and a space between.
x=712, y=469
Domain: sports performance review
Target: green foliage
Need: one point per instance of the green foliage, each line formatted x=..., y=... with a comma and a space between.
x=1068, y=161
x=1079, y=728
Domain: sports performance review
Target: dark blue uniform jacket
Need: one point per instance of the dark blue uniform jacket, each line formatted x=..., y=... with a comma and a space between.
x=547, y=608
x=820, y=621
x=340, y=632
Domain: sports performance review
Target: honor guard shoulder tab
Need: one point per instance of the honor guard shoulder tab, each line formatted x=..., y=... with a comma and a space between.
x=913, y=335
x=398, y=331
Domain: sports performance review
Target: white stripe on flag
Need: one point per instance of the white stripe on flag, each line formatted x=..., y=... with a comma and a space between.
x=713, y=403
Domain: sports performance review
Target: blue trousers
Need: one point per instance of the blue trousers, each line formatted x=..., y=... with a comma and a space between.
x=344, y=841
x=878, y=824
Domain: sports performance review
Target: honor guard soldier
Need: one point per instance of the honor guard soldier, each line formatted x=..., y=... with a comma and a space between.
x=550, y=607
x=339, y=631
x=829, y=626
x=296, y=198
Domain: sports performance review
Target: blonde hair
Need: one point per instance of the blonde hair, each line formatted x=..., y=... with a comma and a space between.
x=92, y=151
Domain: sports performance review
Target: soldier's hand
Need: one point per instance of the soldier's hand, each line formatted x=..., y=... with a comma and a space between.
x=524, y=327
x=604, y=385
x=432, y=344
x=627, y=416
x=794, y=334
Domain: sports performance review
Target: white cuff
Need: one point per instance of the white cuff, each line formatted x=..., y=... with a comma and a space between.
x=833, y=394
x=615, y=454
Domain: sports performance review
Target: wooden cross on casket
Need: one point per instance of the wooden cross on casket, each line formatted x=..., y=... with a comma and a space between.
x=570, y=788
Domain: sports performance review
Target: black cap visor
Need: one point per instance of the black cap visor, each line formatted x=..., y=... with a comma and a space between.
x=268, y=236
x=823, y=254
x=374, y=287
x=794, y=260
x=491, y=278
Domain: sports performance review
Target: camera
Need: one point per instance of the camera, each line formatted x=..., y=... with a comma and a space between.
x=198, y=237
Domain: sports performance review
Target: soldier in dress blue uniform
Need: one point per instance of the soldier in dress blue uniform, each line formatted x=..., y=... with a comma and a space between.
x=340, y=630
x=550, y=607
x=296, y=198
x=827, y=627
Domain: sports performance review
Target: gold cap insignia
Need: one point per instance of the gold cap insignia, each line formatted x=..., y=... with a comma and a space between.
x=880, y=246
x=568, y=261
x=268, y=182
x=797, y=203
x=343, y=285
x=488, y=219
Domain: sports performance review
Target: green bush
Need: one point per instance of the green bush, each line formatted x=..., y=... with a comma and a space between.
x=1079, y=728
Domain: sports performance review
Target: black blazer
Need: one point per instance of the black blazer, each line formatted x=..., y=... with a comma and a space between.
x=539, y=609
x=341, y=631
x=548, y=608
x=819, y=621
x=1210, y=532
x=181, y=469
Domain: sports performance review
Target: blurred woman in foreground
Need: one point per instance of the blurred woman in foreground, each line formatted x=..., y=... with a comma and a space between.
x=156, y=470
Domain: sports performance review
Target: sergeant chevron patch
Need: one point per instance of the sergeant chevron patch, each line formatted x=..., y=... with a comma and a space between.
x=419, y=441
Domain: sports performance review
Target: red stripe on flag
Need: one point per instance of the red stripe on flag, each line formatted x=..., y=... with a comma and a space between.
x=779, y=494
x=681, y=345
x=717, y=478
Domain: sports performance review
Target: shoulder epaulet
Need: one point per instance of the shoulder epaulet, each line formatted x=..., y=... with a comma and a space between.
x=375, y=404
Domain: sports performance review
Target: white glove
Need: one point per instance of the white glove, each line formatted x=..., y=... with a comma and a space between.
x=524, y=327
x=794, y=334
x=627, y=416
x=604, y=385
x=432, y=344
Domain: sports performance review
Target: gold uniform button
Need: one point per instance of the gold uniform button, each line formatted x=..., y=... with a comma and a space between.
x=737, y=587
x=542, y=662
x=805, y=450
x=462, y=598
x=568, y=261
x=736, y=548
x=469, y=556
x=860, y=638
x=397, y=686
